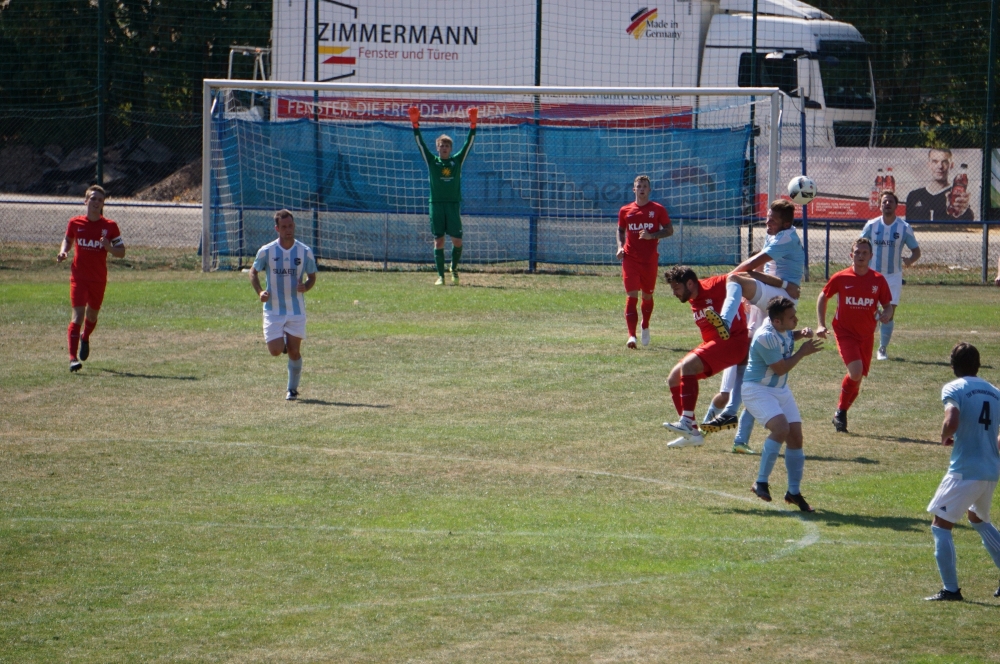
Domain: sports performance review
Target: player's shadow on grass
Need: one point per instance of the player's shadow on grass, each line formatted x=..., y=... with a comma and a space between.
x=837, y=519
x=903, y=439
x=129, y=374
x=343, y=404
x=862, y=460
x=930, y=364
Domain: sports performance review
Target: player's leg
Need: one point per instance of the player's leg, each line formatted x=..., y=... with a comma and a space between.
x=953, y=496
x=683, y=383
x=853, y=352
x=885, y=329
x=979, y=519
x=78, y=302
x=647, y=286
x=795, y=458
x=761, y=402
x=295, y=332
x=454, y=230
x=738, y=286
x=632, y=282
x=439, y=223
x=274, y=334
x=95, y=297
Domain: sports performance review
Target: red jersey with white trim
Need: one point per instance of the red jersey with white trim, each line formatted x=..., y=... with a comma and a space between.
x=634, y=219
x=90, y=258
x=711, y=295
x=860, y=296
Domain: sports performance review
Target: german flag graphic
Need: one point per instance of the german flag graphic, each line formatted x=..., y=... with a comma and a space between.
x=637, y=24
x=338, y=57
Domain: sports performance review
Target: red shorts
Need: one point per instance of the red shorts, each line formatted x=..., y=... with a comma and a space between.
x=83, y=293
x=639, y=276
x=717, y=356
x=852, y=349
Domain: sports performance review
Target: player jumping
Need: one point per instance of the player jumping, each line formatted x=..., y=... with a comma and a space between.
x=768, y=398
x=783, y=260
x=445, y=202
x=93, y=237
x=971, y=421
x=888, y=234
x=640, y=226
x=861, y=291
x=714, y=353
x=284, y=261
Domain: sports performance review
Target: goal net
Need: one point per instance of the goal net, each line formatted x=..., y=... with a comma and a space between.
x=544, y=179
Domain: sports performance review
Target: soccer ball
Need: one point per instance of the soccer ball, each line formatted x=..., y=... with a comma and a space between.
x=801, y=189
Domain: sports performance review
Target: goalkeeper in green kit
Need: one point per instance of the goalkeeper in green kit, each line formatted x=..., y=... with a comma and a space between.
x=445, y=172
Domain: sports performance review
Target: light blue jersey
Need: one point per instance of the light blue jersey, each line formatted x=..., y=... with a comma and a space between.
x=285, y=270
x=768, y=346
x=888, y=241
x=787, y=255
x=975, y=453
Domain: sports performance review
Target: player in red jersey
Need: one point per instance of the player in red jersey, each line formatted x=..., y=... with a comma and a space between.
x=861, y=290
x=93, y=237
x=711, y=356
x=640, y=227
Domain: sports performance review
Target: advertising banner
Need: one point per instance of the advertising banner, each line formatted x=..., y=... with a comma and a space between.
x=932, y=184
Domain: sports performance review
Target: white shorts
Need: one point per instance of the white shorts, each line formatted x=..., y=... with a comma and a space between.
x=728, y=379
x=276, y=327
x=764, y=294
x=895, y=285
x=766, y=403
x=954, y=496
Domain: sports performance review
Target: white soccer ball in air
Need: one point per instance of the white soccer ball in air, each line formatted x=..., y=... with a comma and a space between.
x=801, y=189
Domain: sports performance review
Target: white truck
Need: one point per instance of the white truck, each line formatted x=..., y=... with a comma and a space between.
x=821, y=63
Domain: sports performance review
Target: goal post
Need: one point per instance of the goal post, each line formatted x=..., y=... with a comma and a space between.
x=547, y=172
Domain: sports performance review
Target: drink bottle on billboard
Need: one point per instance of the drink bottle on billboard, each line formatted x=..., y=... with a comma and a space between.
x=889, y=184
x=876, y=190
x=959, y=186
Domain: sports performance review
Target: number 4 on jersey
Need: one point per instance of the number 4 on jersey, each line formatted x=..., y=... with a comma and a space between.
x=984, y=416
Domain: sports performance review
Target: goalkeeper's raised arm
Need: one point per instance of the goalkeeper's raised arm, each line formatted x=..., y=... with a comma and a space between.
x=445, y=176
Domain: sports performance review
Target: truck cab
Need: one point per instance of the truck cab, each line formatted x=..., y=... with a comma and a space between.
x=821, y=64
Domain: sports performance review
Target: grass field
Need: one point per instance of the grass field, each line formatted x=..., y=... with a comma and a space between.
x=472, y=474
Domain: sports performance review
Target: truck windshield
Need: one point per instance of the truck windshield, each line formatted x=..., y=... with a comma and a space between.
x=846, y=75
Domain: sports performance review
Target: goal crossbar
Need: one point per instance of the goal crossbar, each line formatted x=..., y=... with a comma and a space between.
x=210, y=85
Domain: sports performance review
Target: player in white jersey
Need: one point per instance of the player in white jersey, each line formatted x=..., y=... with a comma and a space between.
x=285, y=261
x=783, y=260
x=889, y=234
x=971, y=424
x=768, y=398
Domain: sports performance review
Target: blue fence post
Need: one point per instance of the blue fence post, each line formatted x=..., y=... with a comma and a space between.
x=532, y=243
x=239, y=265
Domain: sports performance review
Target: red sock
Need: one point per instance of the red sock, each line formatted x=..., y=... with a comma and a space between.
x=675, y=394
x=631, y=315
x=88, y=327
x=74, y=339
x=647, y=311
x=849, y=390
x=689, y=392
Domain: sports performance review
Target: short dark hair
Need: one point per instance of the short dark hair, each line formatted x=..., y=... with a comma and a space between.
x=784, y=209
x=777, y=306
x=281, y=214
x=862, y=240
x=965, y=360
x=679, y=274
x=889, y=192
x=641, y=177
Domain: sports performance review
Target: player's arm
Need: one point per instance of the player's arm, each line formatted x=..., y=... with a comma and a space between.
x=620, y=235
x=255, y=282
x=463, y=151
x=804, y=333
x=781, y=367
x=414, y=114
x=771, y=280
x=665, y=231
x=885, y=300
x=67, y=242
x=821, y=315
x=912, y=258
x=950, y=424
x=308, y=283
x=752, y=263
x=115, y=247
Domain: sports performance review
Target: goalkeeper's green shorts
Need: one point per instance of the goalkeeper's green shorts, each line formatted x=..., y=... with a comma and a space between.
x=446, y=220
